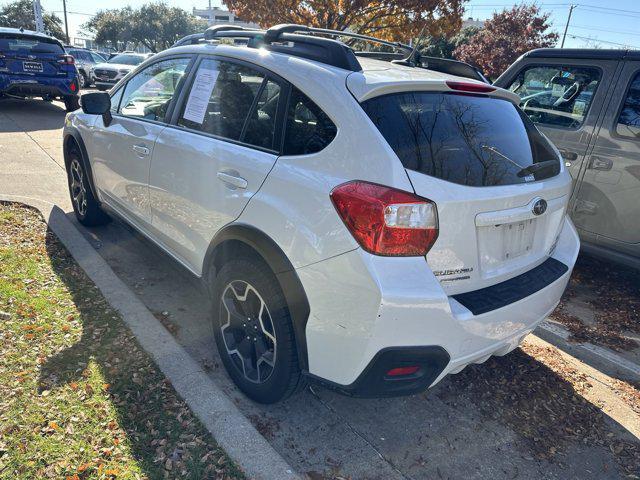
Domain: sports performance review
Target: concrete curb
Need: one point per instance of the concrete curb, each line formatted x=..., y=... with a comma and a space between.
x=604, y=359
x=230, y=428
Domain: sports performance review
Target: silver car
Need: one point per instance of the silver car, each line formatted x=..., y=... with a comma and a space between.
x=587, y=101
x=109, y=73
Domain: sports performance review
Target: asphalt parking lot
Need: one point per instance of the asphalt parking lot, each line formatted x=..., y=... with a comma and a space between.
x=536, y=413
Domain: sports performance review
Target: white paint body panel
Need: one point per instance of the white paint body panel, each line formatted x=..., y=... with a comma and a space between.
x=189, y=202
x=361, y=303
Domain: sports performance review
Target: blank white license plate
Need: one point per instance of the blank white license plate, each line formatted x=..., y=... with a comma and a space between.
x=517, y=238
x=34, y=67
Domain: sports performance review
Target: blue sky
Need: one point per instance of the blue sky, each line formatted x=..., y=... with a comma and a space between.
x=598, y=22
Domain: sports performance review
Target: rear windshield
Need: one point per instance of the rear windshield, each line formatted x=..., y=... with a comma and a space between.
x=465, y=139
x=22, y=44
x=127, y=59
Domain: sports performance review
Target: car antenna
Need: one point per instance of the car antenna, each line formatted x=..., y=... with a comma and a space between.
x=413, y=60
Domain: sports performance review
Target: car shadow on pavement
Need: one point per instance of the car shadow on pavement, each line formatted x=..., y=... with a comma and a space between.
x=155, y=420
x=540, y=396
x=34, y=115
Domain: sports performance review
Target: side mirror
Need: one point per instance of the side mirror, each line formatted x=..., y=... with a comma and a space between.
x=97, y=103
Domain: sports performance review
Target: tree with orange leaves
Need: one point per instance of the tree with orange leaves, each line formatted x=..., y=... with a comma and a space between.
x=399, y=20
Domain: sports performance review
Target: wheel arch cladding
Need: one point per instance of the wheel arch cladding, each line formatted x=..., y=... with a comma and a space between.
x=72, y=137
x=239, y=239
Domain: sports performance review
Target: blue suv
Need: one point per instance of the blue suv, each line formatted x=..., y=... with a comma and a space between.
x=36, y=65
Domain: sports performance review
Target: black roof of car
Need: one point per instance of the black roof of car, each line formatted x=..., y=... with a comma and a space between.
x=587, y=53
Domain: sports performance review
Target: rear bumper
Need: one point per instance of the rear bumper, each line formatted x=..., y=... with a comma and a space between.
x=36, y=87
x=362, y=304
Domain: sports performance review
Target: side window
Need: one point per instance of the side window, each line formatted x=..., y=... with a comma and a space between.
x=261, y=124
x=554, y=95
x=308, y=129
x=222, y=99
x=148, y=94
x=115, y=100
x=97, y=58
x=629, y=119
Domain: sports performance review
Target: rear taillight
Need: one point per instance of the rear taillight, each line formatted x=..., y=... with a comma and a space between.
x=386, y=221
x=470, y=87
x=66, y=60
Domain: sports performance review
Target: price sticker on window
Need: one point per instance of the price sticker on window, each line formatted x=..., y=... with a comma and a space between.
x=200, y=94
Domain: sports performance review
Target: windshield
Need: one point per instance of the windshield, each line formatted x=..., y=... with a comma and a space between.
x=28, y=45
x=465, y=139
x=127, y=59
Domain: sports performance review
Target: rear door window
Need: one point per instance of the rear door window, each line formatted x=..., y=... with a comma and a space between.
x=464, y=139
x=232, y=101
x=559, y=96
x=628, y=124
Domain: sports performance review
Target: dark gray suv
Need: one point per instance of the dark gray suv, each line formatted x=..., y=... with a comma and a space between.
x=587, y=101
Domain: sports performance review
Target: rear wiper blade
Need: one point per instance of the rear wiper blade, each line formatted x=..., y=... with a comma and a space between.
x=498, y=152
x=536, y=167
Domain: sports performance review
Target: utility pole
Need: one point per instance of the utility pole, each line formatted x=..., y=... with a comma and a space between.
x=37, y=13
x=66, y=24
x=566, y=27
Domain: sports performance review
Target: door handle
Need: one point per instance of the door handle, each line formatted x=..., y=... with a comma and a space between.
x=141, y=150
x=232, y=179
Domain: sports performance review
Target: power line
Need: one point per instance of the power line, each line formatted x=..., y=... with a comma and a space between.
x=75, y=13
x=610, y=9
x=621, y=32
x=626, y=45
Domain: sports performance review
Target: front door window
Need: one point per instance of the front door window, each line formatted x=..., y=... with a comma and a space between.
x=149, y=93
x=557, y=96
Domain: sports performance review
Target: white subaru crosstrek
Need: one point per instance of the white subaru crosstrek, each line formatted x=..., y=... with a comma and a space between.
x=368, y=224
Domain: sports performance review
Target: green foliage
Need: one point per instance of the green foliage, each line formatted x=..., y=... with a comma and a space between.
x=154, y=25
x=20, y=14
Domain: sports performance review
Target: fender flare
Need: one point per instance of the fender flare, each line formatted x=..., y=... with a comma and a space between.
x=282, y=268
x=86, y=164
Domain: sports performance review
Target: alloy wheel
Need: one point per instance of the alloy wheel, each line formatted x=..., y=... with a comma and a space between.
x=247, y=330
x=78, y=190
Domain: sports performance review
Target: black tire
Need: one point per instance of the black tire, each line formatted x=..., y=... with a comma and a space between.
x=281, y=379
x=83, y=81
x=71, y=103
x=85, y=205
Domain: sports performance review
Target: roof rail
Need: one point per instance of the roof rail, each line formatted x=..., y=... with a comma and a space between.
x=189, y=40
x=275, y=33
x=209, y=34
x=306, y=42
x=280, y=40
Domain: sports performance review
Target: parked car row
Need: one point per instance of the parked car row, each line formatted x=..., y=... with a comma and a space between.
x=35, y=65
